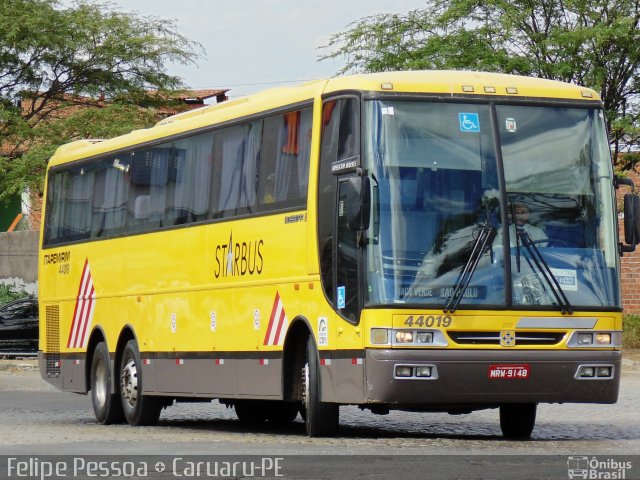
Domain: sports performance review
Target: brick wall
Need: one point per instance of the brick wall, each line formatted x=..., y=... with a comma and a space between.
x=630, y=274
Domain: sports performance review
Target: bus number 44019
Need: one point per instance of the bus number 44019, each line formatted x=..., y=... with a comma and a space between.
x=429, y=321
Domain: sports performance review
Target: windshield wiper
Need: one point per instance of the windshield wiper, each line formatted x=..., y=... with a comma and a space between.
x=485, y=237
x=545, y=270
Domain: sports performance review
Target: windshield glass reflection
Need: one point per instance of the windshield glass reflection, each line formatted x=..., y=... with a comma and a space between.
x=435, y=188
x=436, y=197
x=558, y=180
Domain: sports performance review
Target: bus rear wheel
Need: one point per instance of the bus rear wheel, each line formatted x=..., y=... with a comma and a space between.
x=106, y=404
x=139, y=409
x=517, y=420
x=321, y=418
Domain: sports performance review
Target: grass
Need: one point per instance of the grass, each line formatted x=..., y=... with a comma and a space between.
x=9, y=293
x=631, y=331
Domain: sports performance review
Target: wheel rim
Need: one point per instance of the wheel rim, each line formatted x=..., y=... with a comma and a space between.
x=100, y=387
x=129, y=383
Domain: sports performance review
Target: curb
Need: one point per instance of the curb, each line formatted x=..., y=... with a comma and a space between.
x=20, y=364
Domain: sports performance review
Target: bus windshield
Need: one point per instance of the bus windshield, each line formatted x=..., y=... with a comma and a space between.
x=442, y=219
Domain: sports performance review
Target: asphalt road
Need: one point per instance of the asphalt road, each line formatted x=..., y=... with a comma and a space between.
x=36, y=419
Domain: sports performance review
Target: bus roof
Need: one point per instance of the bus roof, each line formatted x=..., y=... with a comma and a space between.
x=443, y=82
x=451, y=82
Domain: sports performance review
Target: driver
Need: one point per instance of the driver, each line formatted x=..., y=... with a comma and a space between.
x=521, y=213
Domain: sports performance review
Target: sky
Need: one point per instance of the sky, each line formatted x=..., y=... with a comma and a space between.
x=251, y=45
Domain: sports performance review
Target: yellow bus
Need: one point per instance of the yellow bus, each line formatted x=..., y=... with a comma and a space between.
x=431, y=241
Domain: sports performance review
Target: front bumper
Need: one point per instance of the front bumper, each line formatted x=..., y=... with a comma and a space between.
x=463, y=377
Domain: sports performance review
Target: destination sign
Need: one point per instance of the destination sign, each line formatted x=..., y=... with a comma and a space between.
x=443, y=292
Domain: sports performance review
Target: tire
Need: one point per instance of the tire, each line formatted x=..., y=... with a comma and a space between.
x=517, y=420
x=139, y=409
x=106, y=404
x=321, y=418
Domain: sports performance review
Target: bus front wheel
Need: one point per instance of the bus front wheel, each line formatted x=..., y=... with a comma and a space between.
x=517, y=420
x=106, y=404
x=139, y=409
x=321, y=418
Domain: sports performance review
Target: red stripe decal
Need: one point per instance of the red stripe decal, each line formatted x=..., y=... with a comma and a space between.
x=82, y=316
x=280, y=324
x=87, y=318
x=75, y=310
x=272, y=318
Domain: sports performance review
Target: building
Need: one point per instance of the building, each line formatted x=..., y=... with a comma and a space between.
x=23, y=212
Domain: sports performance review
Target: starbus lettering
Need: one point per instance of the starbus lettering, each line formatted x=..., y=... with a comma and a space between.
x=239, y=258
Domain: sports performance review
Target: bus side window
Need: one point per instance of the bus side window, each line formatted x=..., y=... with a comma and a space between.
x=283, y=167
x=148, y=190
x=72, y=205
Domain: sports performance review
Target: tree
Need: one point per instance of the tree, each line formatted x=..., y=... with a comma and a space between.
x=52, y=58
x=26, y=169
x=588, y=42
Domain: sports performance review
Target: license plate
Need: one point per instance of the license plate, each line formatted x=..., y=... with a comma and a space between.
x=509, y=372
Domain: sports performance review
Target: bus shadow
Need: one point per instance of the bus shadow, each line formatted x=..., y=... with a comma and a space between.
x=297, y=428
x=475, y=432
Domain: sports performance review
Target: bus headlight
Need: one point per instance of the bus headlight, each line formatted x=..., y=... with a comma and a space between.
x=404, y=371
x=611, y=339
x=404, y=336
x=587, y=372
x=423, y=372
x=585, y=339
x=595, y=372
x=415, y=372
x=414, y=338
x=424, y=337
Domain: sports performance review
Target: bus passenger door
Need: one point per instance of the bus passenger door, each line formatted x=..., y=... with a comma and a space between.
x=343, y=380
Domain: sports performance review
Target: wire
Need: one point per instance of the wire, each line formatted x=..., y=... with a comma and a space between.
x=250, y=84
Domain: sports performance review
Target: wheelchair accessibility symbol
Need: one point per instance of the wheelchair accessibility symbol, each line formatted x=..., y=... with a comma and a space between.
x=469, y=122
x=342, y=300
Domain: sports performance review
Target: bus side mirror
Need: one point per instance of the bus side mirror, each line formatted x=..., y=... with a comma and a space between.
x=631, y=219
x=358, y=203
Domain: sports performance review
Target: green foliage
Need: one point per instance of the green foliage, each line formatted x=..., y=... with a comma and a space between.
x=591, y=43
x=9, y=293
x=53, y=57
x=631, y=331
x=28, y=170
x=85, y=50
x=627, y=161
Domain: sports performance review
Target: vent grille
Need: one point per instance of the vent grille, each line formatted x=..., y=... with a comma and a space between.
x=52, y=354
x=493, y=338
